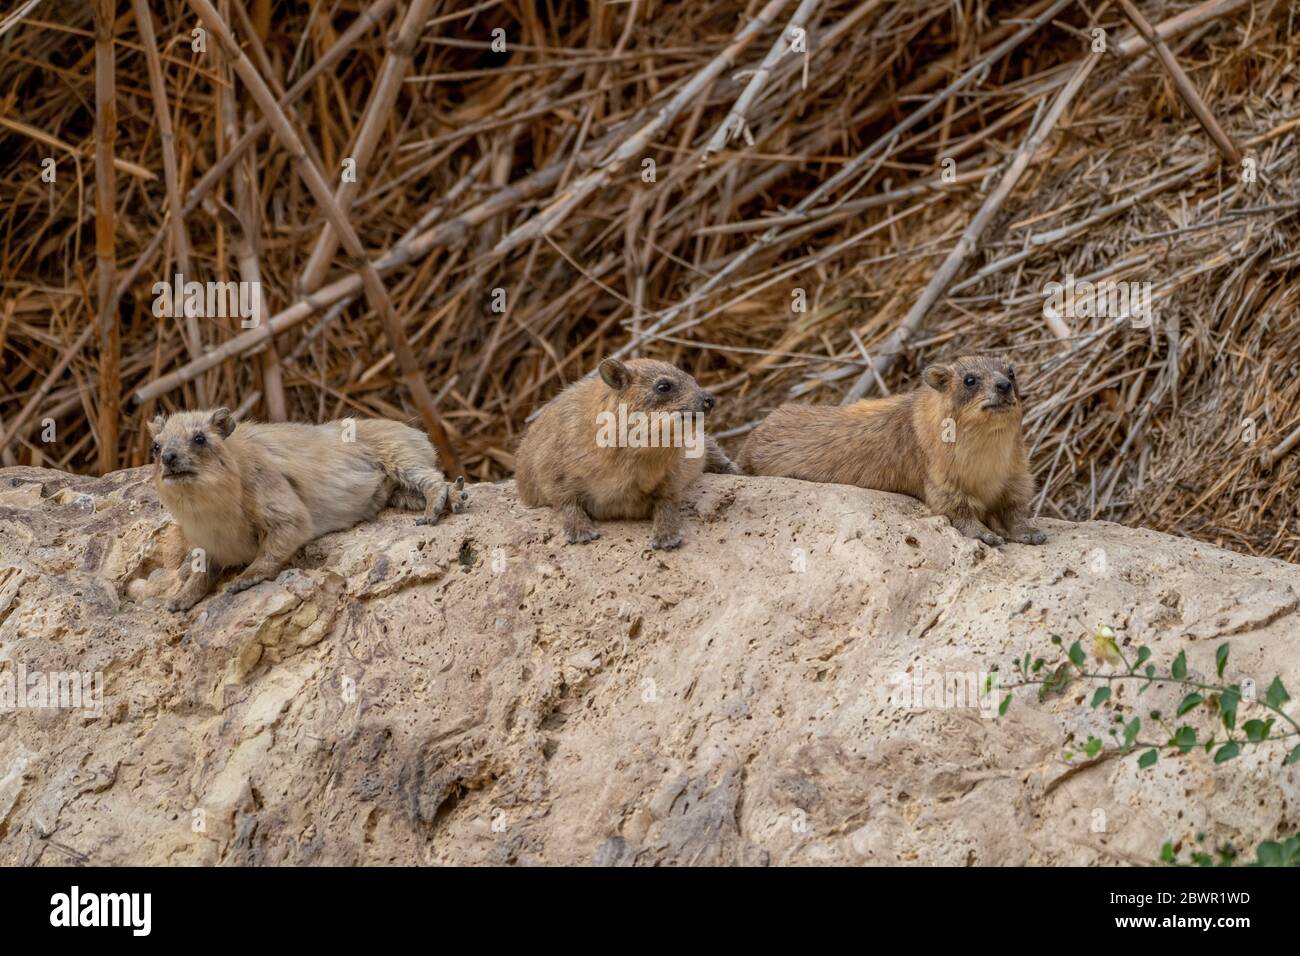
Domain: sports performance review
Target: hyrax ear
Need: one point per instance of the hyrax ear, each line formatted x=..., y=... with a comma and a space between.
x=222, y=422
x=156, y=425
x=937, y=377
x=615, y=374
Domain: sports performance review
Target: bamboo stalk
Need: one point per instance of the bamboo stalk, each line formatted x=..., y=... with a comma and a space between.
x=377, y=113
x=887, y=354
x=559, y=210
x=373, y=285
x=171, y=176
x=1183, y=84
x=737, y=120
x=109, y=333
x=853, y=169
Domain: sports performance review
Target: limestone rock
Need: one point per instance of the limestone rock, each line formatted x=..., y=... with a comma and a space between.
x=479, y=692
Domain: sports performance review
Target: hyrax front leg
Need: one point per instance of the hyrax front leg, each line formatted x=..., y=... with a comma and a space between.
x=960, y=510
x=197, y=585
x=716, y=461
x=1012, y=512
x=578, y=526
x=289, y=528
x=1016, y=526
x=667, y=524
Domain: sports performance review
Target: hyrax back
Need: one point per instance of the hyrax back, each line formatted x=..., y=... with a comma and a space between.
x=955, y=442
x=254, y=494
x=621, y=446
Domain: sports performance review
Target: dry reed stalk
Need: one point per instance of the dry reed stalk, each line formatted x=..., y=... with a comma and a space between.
x=372, y=284
x=110, y=345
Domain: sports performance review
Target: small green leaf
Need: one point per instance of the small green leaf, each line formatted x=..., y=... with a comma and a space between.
x=1101, y=696
x=1002, y=707
x=1190, y=701
x=1167, y=853
x=1144, y=654
x=1277, y=695
x=1038, y=665
x=1228, y=702
x=1148, y=758
x=1180, y=665
x=1092, y=747
x=1257, y=730
x=1293, y=756
x=1269, y=853
x=1226, y=753
x=1185, y=738
x=1131, y=730
x=1077, y=657
x=1221, y=658
x=1151, y=670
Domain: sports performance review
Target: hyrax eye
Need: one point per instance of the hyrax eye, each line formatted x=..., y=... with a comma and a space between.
x=663, y=386
x=971, y=381
x=200, y=439
x=1011, y=374
x=154, y=449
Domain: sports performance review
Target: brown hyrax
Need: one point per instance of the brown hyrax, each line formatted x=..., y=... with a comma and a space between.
x=253, y=494
x=954, y=442
x=621, y=446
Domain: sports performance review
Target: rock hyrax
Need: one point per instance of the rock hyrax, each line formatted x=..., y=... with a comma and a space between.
x=254, y=494
x=621, y=446
x=954, y=442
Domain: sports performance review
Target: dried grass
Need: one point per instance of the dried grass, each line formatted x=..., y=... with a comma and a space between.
x=777, y=176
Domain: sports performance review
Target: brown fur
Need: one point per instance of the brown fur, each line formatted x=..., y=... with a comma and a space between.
x=254, y=494
x=980, y=480
x=561, y=464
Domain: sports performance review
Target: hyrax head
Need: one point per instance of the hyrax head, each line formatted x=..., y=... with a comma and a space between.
x=188, y=447
x=651, y=386
x=978, y=390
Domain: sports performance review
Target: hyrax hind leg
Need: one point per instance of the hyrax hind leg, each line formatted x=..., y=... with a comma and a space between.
x=422, y=487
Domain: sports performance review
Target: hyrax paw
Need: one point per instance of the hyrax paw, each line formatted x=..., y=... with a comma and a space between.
x=991, y=539
x=179, y=606
x=581, y=536
x=1031, y=536
x=459, y=496
x=666, y=542
x=242, y=584
x=428, y=519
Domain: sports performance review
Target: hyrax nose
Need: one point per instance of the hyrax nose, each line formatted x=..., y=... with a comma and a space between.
x=1004, y=386
x=707, y=401
x=169, y=457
